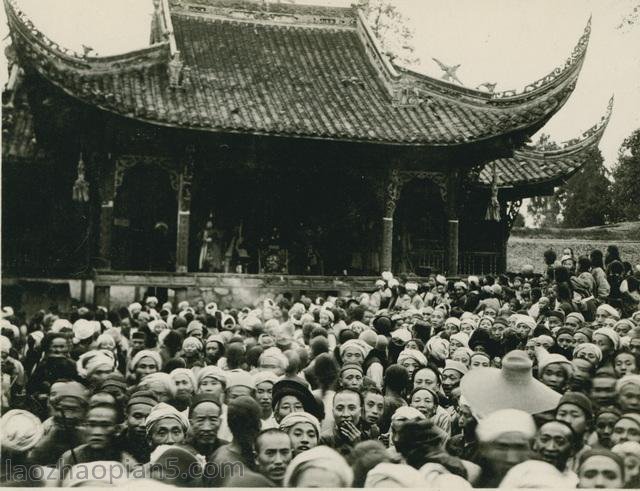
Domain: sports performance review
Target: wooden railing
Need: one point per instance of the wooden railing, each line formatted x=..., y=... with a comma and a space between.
x=479, y=263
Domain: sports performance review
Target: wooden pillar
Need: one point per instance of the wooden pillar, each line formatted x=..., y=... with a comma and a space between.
x=391, y=195
x=453, y=224
x=185, y=179
x=107, y=197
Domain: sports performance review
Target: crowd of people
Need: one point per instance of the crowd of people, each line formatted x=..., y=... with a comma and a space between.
x=525, y=381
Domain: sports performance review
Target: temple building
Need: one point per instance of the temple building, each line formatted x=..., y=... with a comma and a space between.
x=257, y=144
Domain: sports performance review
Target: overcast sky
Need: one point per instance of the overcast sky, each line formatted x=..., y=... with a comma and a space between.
x=509, y=42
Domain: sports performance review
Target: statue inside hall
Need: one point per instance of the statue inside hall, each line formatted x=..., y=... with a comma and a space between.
x=211, y=259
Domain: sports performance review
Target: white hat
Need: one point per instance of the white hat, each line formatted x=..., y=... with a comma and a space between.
x=505, y=421
x=82, y=329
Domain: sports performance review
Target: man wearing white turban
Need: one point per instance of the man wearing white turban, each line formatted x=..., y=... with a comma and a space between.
x=165, y=425
x=144, y=363
x=504, y=438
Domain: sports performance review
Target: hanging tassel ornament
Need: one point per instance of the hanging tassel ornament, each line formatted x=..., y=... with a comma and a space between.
x=493, y=209
x=81, y=186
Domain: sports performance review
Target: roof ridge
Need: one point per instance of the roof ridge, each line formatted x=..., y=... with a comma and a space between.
x=263, y=11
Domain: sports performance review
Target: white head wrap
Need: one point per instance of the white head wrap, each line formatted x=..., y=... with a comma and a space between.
x=611, y=334
x=609, y=310
x=462, y=338
x=188, y=373
x=275, y=354
x=265, y=376
x=402, y=334
x=20, y=430
x=536, y=474
x=438, y=348
x=413, y=354
x=162, y=411
x=505, y=421
x=60, y=324
x=211, y=371
x=589, y=348
x=82, y=329
x=5, y=344
x=146, y=353
x=159, y=378
x=357, y=344
x=293, y=419
x=404, y=475
x=90, y=361
x=324, y=458
x=452, y=320
x=192, y=342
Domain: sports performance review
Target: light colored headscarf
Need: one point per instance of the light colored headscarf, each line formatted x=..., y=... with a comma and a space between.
x=20, y=430
x=5, y=344
x=402, y=474
x=321, y=457
x=90, y=361
x=274, y=354
x=588, y=348
x=537, y=474
x=292, y=419
x=413, y=354
x=357, y=344
x=505, y=421
x=187, y=373
x=609, y=310
x=631, y=379
x=192, y=342
x=462, y=338
x=146, y=353
x=211, y=371
x=438, y=348
x=162, y=411
x=159, y=378
x=611, y=334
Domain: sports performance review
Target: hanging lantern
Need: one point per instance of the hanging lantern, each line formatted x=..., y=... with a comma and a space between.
x=81, y=186
x=493, y=208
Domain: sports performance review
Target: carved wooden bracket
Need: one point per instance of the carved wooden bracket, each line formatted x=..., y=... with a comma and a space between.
x=126, y=162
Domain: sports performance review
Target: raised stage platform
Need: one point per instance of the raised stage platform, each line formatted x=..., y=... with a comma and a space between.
x=226, y=289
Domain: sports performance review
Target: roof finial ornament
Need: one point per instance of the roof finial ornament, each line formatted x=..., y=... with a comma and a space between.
x=449, y=74
x=86, y=50
x=489, y=86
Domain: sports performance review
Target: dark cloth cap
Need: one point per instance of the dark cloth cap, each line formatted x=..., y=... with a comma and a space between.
x=580, y=400
x=297, y=388
x=351, y=366
x=420, y=436
x=143, y=397
x=502, y=321
x=587, y=331
x=564, y=330
x=604, y=453
x=111, y=384
x=200, y=398
x=138, y=335
x=383, y=325
x=558, y=314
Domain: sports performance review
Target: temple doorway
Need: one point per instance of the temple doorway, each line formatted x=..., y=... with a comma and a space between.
x=420, y=228
x=145, y=213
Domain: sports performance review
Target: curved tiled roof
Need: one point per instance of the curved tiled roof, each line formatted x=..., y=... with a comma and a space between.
x=301, y=71
x=531, y=165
